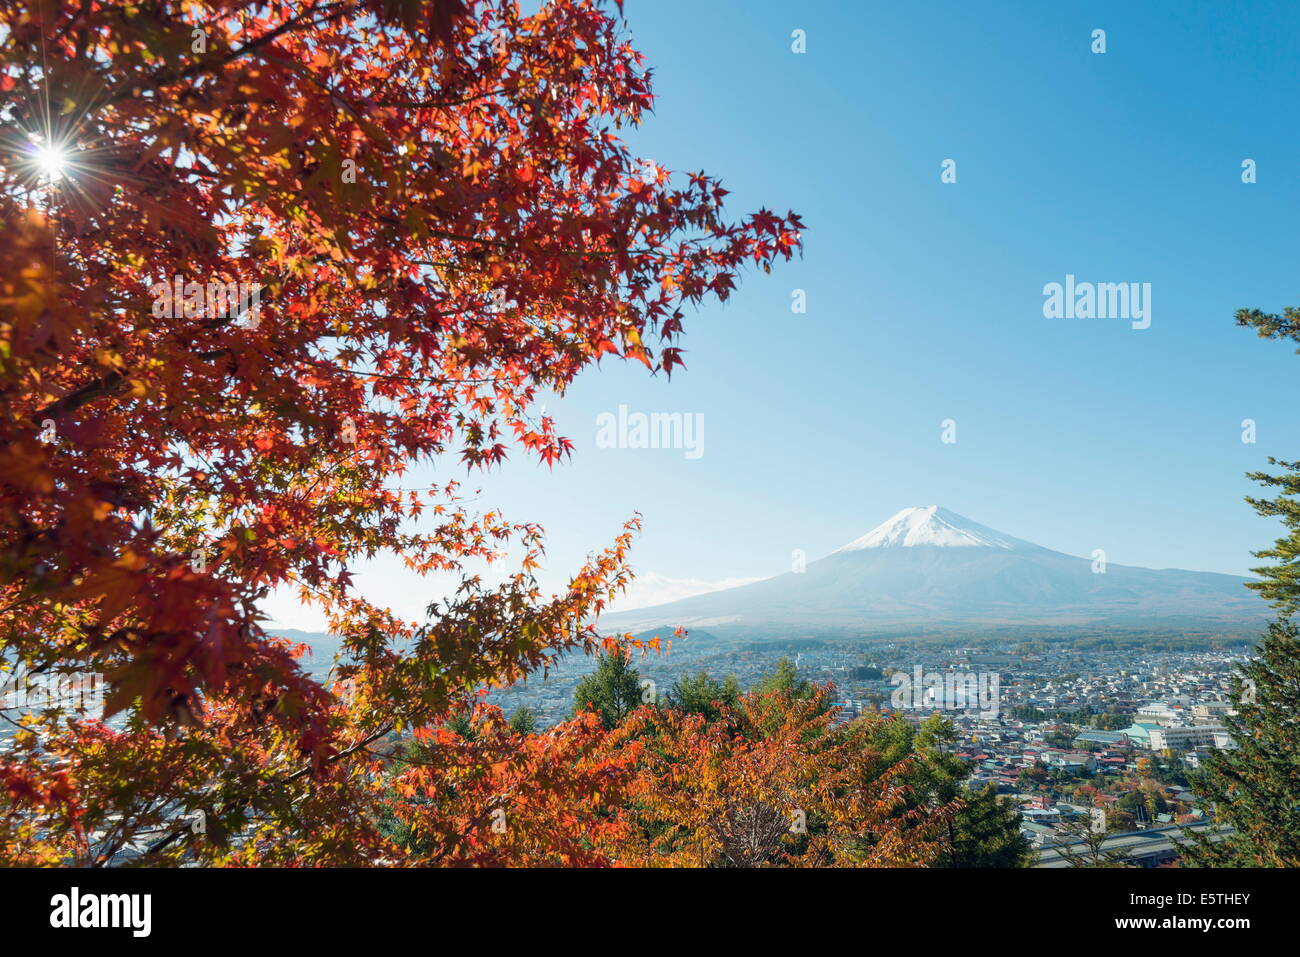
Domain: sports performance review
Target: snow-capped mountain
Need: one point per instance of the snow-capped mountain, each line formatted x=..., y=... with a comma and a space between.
x=932, y=525
x=928, y=568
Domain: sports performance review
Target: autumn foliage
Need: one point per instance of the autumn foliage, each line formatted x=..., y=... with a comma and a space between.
x=441, y=221
x=771, y=782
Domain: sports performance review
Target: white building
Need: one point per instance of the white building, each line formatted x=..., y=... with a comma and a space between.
x=1185, y=738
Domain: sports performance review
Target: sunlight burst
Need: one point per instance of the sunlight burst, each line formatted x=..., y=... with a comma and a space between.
x=51, y=161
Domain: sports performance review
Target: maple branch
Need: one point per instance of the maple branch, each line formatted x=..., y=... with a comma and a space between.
x=95, y=389
x=306, y=74
x=111, y=383
x=106, y=385
x=175, y=834
x=514, y=377
x=285, y=28
x=437, y=104
x=128, y=86
x=359, y=746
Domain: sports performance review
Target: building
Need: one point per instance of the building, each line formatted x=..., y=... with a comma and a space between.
x=1212, y=709
x=1041, y=835
x=1070, y=760
x=1108, y=739
x=1158, y=712
x=1185, y=738
x=1041, y=815
x=1139, y=734
x=1148, y=848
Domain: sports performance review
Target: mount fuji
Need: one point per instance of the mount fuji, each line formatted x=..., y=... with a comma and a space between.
x=930, y=569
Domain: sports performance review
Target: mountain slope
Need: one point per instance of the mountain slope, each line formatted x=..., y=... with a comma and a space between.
x=929, y=566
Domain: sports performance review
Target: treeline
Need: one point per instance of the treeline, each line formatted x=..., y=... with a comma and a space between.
x=1080, y=717
x=703, y=775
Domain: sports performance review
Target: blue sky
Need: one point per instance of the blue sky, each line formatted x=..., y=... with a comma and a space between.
x=925, y=299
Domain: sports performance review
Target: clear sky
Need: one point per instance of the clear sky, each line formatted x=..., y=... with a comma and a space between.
x=925, y=299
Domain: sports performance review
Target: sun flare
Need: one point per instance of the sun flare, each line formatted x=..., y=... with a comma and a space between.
x=51, y=161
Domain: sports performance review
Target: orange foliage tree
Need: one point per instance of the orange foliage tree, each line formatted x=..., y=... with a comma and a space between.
x=555, y=798
x=294, y=250
x=771, y=782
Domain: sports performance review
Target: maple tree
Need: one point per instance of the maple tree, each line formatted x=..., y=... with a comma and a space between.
x=770, y=782
x=554, y=798
x=438, y=221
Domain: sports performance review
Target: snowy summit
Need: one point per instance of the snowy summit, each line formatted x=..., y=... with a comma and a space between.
x=932, y=525
x=931, y=568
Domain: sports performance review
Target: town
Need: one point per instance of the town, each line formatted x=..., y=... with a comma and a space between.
x=1083, y=735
